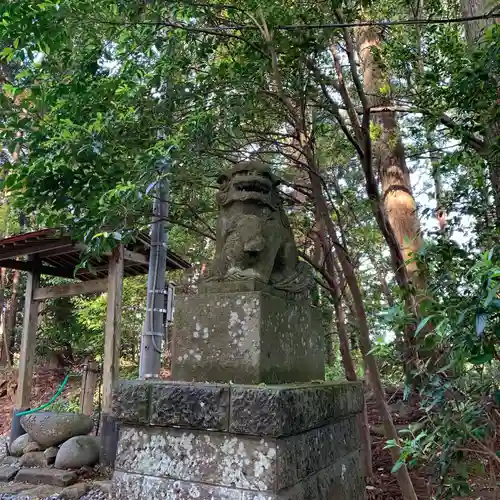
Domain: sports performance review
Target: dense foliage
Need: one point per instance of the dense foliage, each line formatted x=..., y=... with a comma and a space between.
x=374, y=131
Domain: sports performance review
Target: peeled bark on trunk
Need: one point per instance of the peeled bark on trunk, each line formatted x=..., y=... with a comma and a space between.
x=389, y=155
x=323, y=213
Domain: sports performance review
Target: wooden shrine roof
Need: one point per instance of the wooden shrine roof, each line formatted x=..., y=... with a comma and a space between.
x=55, y=253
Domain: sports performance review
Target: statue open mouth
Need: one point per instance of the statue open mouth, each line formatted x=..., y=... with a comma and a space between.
x=253, y=186
x=248, y=182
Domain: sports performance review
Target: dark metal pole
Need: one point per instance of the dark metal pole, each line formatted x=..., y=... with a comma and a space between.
x=154, y=328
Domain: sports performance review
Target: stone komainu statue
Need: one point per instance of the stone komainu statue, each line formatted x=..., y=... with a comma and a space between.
x=254, y=239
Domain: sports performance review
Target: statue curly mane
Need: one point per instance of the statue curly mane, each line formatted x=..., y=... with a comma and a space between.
x=254, y=239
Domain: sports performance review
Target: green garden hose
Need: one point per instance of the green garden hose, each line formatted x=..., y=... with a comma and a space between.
x=52, y=399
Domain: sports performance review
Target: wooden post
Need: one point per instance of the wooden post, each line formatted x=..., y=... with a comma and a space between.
x=28, y=343
x=27, y=354
x=89, y=379
x=111, y=365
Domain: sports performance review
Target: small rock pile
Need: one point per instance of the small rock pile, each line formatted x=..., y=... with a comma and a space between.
x=56, y=438
x=52, y=455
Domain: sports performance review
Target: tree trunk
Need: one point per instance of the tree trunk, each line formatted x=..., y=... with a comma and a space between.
x=389, y=156
x=402, y=474
x=327, y=257
x=470, y=8
x=340, y=321
x=323, y=213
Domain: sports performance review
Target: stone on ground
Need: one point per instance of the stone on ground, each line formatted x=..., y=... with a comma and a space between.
x=32, y=446
x=50, y=454
x=51, y=429
x=77, y=452
x=75, y=492
x=54, y=477
x=33, y=459
x=13, y=488
x=39, y=492
x=18, y=445
x=104, y=486
x=7, y=472
x=8, y=460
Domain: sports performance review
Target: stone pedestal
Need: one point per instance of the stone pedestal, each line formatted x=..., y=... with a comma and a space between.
x=246, y=337
x=180, y=441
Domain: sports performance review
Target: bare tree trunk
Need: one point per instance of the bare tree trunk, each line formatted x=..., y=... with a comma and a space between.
x=340, y=321
x=402, y=474
x=389, y=156
x=327, y=256
x=307, y=149
x=386, y=291
x=474, y=30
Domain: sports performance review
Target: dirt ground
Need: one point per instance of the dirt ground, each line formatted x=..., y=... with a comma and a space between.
x=382, y=486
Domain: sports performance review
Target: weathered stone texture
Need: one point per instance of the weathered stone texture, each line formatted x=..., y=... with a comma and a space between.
x=254, y=239
x=238, y=461
x=208, y=457
x=246, y=338
x=285, y=410
x=195, y=406
x=338, y=481
x=79, y=451
x=33, y=459
x=237, y=442
x=19, y=444
x=272, y=411
x=137, y=487
x=50, y=429
x=7, y=472
x=131, y=401
x=308, y=453
x=53, y=477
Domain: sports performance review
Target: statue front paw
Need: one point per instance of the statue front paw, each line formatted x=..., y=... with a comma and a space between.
x=237, y=273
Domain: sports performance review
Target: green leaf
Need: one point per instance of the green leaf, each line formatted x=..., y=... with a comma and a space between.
x=397, y=466
x=423, y=323
x=491, y=295
x=481, y=359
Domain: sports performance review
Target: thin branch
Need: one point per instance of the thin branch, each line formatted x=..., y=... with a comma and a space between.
x=351, y=108
x=335, y=111
x=352, y=63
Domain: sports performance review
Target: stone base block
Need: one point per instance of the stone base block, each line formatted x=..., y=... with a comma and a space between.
x=182, y=441
x=340, y=481
x=248, y=338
